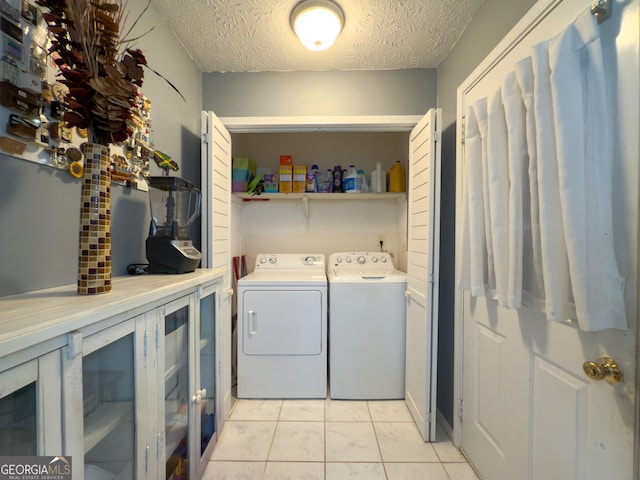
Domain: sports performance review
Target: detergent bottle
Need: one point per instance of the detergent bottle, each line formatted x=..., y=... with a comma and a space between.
x=364, y=184
x=397, y=181
x=312, y=181
x=337, y=179
x=352, y=182
x=378, y=180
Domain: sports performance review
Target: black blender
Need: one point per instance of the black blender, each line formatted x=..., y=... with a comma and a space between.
x=175, y=204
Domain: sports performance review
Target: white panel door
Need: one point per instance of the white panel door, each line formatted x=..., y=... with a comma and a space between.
x=422, y=272
x=216, y=235
x=528, y=409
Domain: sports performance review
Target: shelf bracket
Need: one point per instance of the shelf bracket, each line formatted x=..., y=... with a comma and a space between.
x=305, y=207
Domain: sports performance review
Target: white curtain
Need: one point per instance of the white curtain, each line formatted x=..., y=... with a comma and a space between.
x=532, y=273
x=537, y=220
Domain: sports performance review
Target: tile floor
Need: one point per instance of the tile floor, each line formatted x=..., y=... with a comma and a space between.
x=330, y=440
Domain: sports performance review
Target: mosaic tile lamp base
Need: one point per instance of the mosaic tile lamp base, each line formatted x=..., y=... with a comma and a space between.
x=94, y=251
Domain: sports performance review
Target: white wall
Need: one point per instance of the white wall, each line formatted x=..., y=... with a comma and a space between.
x=326, y=149
x=333, y=226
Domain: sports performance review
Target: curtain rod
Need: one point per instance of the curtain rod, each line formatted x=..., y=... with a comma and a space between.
x=602, y=10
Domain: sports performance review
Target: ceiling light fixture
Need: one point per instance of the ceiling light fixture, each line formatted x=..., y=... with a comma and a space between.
x=317, y=23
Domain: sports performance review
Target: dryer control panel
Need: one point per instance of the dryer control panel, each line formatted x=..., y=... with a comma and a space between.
x=289, y=261
x=361, y=261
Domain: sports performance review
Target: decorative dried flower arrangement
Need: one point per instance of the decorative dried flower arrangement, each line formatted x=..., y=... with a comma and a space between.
x=103, y=74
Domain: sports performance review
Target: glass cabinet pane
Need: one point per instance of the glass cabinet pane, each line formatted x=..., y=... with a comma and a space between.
x=176, y=380
x=18, y=431
x=108, y=401
x=207, y=407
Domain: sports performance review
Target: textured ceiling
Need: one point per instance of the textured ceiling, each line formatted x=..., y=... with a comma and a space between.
x=255, y=35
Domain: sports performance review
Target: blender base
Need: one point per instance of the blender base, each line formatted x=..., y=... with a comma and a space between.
x=171, y=256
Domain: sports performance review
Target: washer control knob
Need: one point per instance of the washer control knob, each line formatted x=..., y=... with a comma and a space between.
x=348, y=259
x=263, y=260
x=309, y=260
x=374, y=259
x=383, y=259
x=361, y=260
x=273, y=260
x=339, y=259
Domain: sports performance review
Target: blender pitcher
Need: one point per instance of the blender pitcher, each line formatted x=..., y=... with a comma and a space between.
x=175, y=204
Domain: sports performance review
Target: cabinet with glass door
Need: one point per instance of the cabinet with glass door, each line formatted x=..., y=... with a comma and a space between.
x=206, y=395
x=109, y=402
x=30, y=399
x=188, y=383
x=124, y=387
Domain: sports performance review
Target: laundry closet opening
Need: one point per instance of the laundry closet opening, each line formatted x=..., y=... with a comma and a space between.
x=346, y=222
x=321, y=223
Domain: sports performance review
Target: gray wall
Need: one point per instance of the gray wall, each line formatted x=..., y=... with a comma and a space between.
x=489, y=25
x=39, y=206
x=388, y=92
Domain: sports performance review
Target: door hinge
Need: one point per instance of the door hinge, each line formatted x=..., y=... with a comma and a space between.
x=462, y=130
x=460, y=410
x=146, y=459
x=206, y=138
x=146, y=343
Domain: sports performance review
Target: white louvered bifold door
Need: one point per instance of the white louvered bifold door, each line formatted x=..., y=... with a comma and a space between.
x=422, y=272
x=216, y=235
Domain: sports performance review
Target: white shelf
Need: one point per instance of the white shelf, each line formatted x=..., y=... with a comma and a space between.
x=372, y=123
x=176, y=429
x=99, y=423
x=265, y=197
x=124, y=472
x=175, y=358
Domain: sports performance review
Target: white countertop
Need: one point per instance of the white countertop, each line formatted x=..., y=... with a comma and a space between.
x=33, y=317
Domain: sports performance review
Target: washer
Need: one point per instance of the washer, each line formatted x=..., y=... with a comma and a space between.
x=282, y=328
x=367, y=309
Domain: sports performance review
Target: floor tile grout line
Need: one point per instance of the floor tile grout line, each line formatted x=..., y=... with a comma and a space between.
x=325, y=421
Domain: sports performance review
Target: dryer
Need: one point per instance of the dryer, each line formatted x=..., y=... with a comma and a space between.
x=367, y=310
x=282, y=328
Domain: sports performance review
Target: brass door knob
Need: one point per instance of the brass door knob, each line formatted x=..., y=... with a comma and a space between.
x=605, y=368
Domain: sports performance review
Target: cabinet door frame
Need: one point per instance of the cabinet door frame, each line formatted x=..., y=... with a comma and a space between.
x=201, y=460
x=77, y=347
x=45, y=372
x=161, y=313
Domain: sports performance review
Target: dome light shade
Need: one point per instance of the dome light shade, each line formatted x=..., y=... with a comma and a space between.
x=317, y=23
